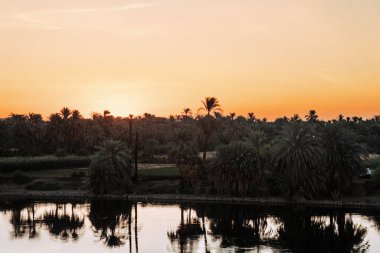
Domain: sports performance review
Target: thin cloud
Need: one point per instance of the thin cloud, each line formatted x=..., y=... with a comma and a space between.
x=34, y=18
x=105, y=9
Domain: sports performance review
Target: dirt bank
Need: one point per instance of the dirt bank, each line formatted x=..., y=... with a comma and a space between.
x=83, y=195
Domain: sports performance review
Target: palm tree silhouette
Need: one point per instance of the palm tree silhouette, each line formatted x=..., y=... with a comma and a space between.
x=208, y=125
x=210, y=104
x=111, y=168
x=252, y=116
x=298, y=155
x=187, y=112
x=130, y=123
x=344, y=157
x=312, y=116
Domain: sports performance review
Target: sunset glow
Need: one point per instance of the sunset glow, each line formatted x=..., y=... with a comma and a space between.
x=270, y=57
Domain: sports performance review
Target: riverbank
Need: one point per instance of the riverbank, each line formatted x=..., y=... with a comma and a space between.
x=373, y=202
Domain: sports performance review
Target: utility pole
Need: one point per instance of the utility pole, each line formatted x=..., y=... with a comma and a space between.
x=136, y=155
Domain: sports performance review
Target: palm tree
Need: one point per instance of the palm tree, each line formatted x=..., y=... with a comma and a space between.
x=210, y=104
x=187, y=112
x=238, y=168
x=298, y=156
x=312, y=116
x=18, y=130
x=65, y=113
x=186, y=156
x=208, y=125
x=75, y=128
x=34, y=131
x=111, y=168
x=130, y=123
x=344, y=156
x=295, y=117
x=54, y=129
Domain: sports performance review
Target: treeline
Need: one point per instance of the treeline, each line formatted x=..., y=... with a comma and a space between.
x=68, y=132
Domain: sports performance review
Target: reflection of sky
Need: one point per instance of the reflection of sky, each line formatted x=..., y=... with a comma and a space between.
x=154, y=222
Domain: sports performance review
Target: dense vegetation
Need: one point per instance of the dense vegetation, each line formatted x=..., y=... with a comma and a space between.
x=289, y=156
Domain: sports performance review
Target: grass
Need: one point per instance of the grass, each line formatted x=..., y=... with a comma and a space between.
x=42, y=186
x=11, y=164
x=56, y=172
x=147, y=171
x=373, y=163
x=163, y=172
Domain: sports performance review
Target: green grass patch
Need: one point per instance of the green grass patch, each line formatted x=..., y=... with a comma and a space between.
x=145, y=171
x=42, y=186
x=164, y=172
x=11, y=164
x=20, y=177
x=57, y=172
x=373, y=163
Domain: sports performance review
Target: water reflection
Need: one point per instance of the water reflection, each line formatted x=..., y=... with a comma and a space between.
x=61, y=223
x=189, y=227
x=111, y=221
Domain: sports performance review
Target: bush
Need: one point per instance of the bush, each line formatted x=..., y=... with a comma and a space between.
x=238, y=169
x=11, y=164
x=20, y=177
x=78, y=174
x=83, y=152
x=376, y=176
x=60, y=153
x=42, y=186
x=372, y=163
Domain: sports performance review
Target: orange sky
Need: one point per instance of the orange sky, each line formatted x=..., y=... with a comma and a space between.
x=271, y=57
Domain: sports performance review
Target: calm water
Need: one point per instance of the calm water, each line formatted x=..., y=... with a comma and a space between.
x=115, y=226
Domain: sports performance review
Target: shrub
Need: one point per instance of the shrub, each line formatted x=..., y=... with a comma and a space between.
x=60, y=153
x=11, y=164
x=376, y=176
x=42, y=186
x=83, y=152
x=20, y=177
x=78, y=174
x=237, y=168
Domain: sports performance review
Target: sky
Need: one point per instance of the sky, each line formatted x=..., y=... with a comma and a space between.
x=270, y=57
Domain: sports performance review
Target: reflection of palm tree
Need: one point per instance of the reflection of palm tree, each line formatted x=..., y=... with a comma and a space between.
x=242, y=227
x=62, y=224
x=22, y=224
x=301, y=232
x=187, y=232
x=31, y=221
x=136, y=236
x=108, y=218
